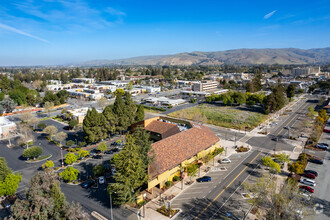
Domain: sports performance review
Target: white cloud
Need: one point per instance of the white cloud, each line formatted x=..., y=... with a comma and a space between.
x=9, y=28
x=269, y=14
x=113, y=11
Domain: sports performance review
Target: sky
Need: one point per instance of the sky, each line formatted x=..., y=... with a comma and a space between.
x=55, y=32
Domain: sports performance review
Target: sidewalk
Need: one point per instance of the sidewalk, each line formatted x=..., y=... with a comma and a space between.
x=152, y=206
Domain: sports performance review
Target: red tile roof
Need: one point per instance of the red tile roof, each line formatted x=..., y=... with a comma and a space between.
x=162, y=128
x=171, y=151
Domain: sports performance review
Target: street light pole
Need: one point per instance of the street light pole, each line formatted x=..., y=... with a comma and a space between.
x=111, y=214
x=62, y=157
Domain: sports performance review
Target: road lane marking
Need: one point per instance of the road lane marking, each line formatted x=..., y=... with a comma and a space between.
x=226, y=187
x=290, y=120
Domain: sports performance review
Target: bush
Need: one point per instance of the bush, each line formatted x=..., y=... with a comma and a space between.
x=176, y=178
x=69, y=143
x=81, y=143
x=47, y=165
x=69, y=174
x=168, y=183
x=32, y=152
x=42, y=126
x=73, y=123
x=154, y=108
x=70, y=158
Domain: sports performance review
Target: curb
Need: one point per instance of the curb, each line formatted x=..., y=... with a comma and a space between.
x=39, y=160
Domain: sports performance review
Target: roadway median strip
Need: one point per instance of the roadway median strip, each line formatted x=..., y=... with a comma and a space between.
x=98, y=216
x=226, y=187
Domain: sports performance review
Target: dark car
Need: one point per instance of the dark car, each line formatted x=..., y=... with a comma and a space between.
x=317, y=161
x=204, y=179
x=6, y=204
x=324, y=144
x=87, y=184
x=97, y=157
x=108, y=152
x=307, y=188
x=312, y=172
x=115, y=149
x=309, y=175
x=321, y=146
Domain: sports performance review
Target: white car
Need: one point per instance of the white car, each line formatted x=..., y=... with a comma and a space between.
x=308, y=182
x=101, y=180
x=225, y=160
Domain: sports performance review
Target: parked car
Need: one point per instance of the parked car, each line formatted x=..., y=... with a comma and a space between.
x=321, y=146
x=308, y=182
x=225, y=160
x=108, y=152
x=87, y=184
x=115, y=149
x=204, y=179
x=275, y=139
x=97, y=157
x=317, y=161
x=325, y=144
x=307, y=188
x=309, y=175
x=312, y=172
x=6, y=204
x=286, y=127
x=113, y=171
x=101, y=180
x=108, y=176
x=326, y=130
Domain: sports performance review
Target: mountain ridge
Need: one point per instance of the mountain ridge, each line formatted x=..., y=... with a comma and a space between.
x=245, y=56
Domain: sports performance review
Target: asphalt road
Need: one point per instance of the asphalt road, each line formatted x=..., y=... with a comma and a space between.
x=209, y=206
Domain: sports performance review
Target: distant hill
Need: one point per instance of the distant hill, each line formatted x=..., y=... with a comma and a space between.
x=238, y=56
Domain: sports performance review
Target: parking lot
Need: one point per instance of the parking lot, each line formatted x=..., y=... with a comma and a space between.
x=321, y=194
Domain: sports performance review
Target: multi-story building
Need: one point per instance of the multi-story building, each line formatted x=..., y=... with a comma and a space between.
x=6, y=127
x=83, y=80
x=305, y=71
x=205, y=86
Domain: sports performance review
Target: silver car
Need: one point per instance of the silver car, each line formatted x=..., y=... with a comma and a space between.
x=225, y=160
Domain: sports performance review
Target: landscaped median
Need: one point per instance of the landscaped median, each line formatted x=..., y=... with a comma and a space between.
x=32, y=155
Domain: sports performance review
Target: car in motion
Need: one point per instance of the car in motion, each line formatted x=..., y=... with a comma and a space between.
x=312, y=172
x=225, y=160
x=87, y=184
x=204, y=179
x=309, y=175
x=307, y=188
x=314, y=160
x=307, y=182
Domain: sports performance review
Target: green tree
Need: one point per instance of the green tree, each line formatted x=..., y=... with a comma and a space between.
x=290, y=91
x=70, y=158
x=269, y=162
x=83, y=153
x=111, y=120
x=296, y=167
x=4, y=169
x=102, y=147
x=49, y=164
x=98, y=170
x=2, y=96
x=42, y=126
x=139, y=113
x=44, y=200
x=73, y=123
x=10, y=184
x=119, y=111
x=50, y=130
x=32, y=152
x=69, y=174
x=69, y=143
x=142, y=140
x=129, y=86
x=18, y=97
x=192, y=169
x=94, y=126
x=61, y=136
x=7, y=106
x=120, y=92
x=130, y=175
x=130, y=110
x=283, y=158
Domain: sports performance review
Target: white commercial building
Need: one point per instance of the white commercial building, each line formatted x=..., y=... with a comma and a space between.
x=164, y=101
x=6, y=127
x=83, y=80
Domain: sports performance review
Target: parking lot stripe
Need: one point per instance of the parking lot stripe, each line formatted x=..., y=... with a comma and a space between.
x=226, y=187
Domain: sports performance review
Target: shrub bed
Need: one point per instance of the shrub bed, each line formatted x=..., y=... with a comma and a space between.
x=168, y=213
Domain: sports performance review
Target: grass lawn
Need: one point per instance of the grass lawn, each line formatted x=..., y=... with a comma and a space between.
x=229, y=117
